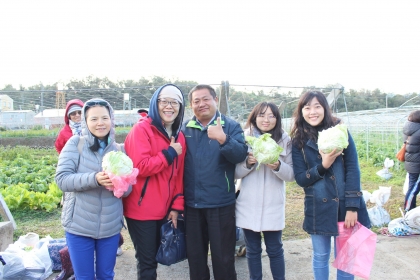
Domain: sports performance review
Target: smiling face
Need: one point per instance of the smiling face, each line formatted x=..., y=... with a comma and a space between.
x=313, y=112
x=76, y=116
x=168, y=109
x=266, y=120
x=203, y=105
x=98, y=121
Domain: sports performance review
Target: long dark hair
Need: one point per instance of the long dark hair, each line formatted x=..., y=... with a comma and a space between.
x=302, y=131
x=260, y=108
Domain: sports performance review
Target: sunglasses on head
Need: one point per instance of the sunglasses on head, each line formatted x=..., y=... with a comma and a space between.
x=75, y=113
x=96, y=103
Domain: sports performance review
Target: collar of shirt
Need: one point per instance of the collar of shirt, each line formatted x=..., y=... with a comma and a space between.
x=210, y=122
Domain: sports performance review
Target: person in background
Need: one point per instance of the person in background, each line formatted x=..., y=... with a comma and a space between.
x=215, y=144
x=92, y=216
x=142, y=112
x=260, y=206
x=331, y=181
x=411, y=132
x=157, y=148
x=72, y=126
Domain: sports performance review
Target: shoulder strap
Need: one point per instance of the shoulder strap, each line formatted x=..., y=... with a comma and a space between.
x=81, y=143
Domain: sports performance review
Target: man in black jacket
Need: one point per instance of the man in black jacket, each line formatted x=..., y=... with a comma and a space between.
x=215, y=144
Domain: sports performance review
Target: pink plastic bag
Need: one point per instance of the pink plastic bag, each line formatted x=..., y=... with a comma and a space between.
x=355, y=250
x=121, y=183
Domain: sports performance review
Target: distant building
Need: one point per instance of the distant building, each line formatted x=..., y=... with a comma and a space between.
x=17, y=119
x=6, y=103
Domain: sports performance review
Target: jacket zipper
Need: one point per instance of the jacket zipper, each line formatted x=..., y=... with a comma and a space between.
x=143, y=191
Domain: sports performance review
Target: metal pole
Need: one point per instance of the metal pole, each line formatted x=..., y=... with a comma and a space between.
x=42, y=100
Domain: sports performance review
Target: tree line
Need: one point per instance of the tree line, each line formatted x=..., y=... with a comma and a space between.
x=239, y=102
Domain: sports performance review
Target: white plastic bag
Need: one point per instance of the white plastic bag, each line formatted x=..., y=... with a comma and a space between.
x=34, y=264
x=412, y=219
x=384, y=173
x=2, y=263
x=398, y=227
x=14, y=268
x=377, y=214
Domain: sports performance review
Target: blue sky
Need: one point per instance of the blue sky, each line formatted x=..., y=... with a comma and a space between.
x=359, y=44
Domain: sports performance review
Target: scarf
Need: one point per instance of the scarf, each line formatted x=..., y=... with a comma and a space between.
x=76, y=128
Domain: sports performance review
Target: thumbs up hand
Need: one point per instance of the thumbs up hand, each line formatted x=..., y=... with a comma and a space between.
x=216, y=132
x=177, y=147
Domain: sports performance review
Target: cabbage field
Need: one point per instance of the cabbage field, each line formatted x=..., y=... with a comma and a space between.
x=27, y=178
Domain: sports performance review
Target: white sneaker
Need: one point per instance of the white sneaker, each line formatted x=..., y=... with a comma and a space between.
x=119, y=251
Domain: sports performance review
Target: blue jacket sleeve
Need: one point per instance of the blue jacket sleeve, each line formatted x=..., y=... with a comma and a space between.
x=305, y=175
x=352, y=174
x=234, y=149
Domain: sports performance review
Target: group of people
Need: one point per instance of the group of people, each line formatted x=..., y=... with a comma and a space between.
x=188, y=168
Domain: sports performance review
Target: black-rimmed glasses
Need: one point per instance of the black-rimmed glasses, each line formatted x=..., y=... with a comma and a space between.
x=164, y=103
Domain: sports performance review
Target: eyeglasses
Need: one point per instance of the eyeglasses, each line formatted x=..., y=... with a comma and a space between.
x=96, y=103
x=75, y=113
x=269, y=117
x=164, y=103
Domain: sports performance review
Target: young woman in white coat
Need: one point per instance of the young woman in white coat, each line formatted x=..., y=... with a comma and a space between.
x=260, y=206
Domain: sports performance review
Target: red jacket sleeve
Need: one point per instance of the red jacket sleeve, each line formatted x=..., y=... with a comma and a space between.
x=141, y=146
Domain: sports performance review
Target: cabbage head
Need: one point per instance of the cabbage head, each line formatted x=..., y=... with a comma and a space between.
x=264, y=148
x=117, y=163
x=335, y=137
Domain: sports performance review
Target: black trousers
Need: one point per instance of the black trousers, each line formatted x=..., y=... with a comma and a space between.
x=146, y=240
x=217, y=227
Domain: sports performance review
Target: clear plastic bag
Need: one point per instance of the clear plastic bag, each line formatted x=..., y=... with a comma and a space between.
x=355, y=250
x=377, y=214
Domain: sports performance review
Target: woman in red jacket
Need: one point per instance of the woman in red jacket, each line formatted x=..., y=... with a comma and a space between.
x=72, y=119
x=157, y=148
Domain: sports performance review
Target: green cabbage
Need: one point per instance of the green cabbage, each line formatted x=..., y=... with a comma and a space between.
x=117, y=163
x=335, y=137
x=264, y=148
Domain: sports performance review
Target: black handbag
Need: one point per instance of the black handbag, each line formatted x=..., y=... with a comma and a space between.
x=172, y=246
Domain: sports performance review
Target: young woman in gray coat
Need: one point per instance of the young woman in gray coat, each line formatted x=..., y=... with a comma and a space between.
x=260, y=206
x=92, y=216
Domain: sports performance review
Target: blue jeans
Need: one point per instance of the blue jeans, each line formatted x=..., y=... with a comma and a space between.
x=412, y=192
x=321, y=257
x=274, y=249
x=82, y=254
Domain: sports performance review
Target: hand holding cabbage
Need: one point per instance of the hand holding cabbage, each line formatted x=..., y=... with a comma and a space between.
x=264, y=148
x=119, y=167
x=335, y=137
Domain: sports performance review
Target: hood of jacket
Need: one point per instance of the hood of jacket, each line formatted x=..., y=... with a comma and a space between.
x=69, y=104
x=410, y=128
x=90, y=138
x=156, y=119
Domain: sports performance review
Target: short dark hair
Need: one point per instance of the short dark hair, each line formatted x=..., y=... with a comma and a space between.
x=201, y=86
x=414, y=116
x=260, y=108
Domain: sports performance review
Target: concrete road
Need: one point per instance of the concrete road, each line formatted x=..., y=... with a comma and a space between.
x=395, y=258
